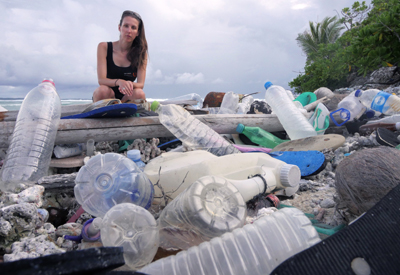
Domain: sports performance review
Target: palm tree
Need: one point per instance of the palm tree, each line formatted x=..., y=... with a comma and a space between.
x=324, y=32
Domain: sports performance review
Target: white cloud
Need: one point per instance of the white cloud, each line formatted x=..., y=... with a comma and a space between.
x=215, y=44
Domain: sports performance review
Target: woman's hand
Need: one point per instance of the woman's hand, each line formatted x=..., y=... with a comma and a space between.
x=125, y=87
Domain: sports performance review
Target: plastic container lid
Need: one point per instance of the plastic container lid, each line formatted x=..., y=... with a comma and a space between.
x=240, y=128
x=370, y=113
x=267, y=84
x=133, y=154
x=358, y=93
x=290, y=175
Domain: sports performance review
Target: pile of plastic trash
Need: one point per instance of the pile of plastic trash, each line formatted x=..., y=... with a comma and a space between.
x=218, y=204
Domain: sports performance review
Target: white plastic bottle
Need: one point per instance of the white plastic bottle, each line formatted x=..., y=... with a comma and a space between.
x=192, y=132
x=380, y=101
x=175, y=171
x=245, y=104
x=256, y=248
x=229, y=104
x=293, y=121
x=134, y=155
x=348, y=109
x=29, y=153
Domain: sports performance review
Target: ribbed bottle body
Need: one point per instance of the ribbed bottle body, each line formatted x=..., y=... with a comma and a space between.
x=29, y=153
x=193, y=132
x=254, y=249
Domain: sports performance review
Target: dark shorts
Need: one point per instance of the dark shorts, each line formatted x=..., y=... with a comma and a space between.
x=117, y=93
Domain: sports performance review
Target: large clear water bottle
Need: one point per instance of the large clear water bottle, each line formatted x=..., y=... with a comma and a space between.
x=293, y=121
x=133, y=228
x=111, y=179
x=29, y=153
x=380, y=101
x=192, y=132
x=253, y=249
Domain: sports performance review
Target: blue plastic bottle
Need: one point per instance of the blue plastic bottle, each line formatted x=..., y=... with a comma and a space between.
x=134, y=155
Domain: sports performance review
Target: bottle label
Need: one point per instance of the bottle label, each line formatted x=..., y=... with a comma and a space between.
x=379, y=101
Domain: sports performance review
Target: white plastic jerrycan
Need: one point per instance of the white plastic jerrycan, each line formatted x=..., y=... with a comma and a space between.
x=175, y=171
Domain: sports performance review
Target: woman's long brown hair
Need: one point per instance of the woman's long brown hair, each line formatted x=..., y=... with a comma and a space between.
x=138, y=51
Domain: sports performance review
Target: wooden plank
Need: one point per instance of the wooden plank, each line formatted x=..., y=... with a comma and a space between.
x=80, y=130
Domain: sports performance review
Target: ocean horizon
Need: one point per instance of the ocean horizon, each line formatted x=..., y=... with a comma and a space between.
x=14, y=104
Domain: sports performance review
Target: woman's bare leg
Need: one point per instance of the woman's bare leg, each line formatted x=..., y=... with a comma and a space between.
x=103, y=92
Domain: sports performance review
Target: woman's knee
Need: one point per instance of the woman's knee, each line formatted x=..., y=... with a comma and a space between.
x=103, y=92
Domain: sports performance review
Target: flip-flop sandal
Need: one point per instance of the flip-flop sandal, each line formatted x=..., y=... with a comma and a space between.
x=386, y=137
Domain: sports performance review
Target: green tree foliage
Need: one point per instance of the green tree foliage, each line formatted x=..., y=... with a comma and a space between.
x=372, y=40
x=325, y=32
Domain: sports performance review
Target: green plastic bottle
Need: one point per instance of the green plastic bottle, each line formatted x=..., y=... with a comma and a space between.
x=259, y=136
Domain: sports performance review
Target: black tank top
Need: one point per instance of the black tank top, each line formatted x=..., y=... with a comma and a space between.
x=115, y=72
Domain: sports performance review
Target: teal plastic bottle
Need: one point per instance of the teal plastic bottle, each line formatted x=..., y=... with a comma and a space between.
x=259, y=136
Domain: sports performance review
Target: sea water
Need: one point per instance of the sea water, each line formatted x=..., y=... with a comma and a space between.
x=12, y=104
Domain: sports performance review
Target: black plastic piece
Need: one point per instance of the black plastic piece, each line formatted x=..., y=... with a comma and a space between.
x=374, y=237
x=386, y=137
x=88, y=261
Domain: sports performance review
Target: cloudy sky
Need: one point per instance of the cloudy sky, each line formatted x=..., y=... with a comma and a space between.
x=194, y=46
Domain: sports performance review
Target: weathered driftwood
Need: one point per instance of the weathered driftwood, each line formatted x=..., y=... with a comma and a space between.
x=80, y=130
x=58, y=183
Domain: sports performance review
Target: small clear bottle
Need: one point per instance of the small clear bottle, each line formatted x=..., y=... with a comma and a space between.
x=256, y=248
x=229, y=104
x=134, y=155
x=293, y=121
x=29, y=153
x=259, y=136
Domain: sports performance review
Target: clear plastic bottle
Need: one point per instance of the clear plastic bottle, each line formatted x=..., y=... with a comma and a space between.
x=380, y=101
x=259, y=136
x=229, y=104
x=134, y=155
x=68, y=150
x=208, y=208
x=29, y=153
x=256, y=248
x=192, y=96
x=111, y=179
x=245, y=104
x=192, y=132
x=133, y=228
x=293, y=121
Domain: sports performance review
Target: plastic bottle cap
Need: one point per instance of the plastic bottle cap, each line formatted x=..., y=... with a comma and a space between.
x=49, y=80
x=267, y=84
x=358, y=93
x=290, y=175
x=133, y=154
x=370, y=113
x=154, y=105
x=240, y=128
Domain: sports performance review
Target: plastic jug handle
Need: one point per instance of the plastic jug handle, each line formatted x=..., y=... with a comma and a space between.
x=340, y=110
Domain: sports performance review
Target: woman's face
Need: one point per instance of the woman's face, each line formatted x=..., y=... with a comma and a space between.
x=129, y=28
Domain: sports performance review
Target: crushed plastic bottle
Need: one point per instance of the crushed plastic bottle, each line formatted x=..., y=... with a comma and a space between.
x=245, y=104
x=192, y=132
x=32, y=142
x=293, y=121
x=256, y=248
x=229, y=104
x=111, y=179
x=349, y=108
